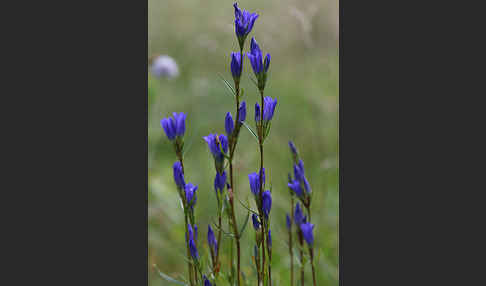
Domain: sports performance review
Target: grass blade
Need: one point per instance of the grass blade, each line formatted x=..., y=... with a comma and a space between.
x=244, y=224
x=251, y=131
x=228, y=85
x=168, y=278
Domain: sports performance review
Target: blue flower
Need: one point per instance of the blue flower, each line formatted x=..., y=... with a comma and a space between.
x=299, y=217
x=254, y=179
x=191, y=196
x=213, y=243
x=307, y=231
x=295, y=186
x=206, y=281
x=266, y=63
x=179, y=175
x=292, y=148
x=214, y=141
x=269, y=108
x=257, y=112
x=256, y=222
x=228, y=124
x=236, y=65
x=267, y=203
x=244, y=22
x=242, y=111
x=288, y=221
x=174, y=126
x=220, y=181
x=256, y=58
x=192, y=243
x=299, y=174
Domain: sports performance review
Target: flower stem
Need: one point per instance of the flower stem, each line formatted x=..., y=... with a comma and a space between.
x=311, y=253
x=301, y=243
x=189, y=268
x=291, y=250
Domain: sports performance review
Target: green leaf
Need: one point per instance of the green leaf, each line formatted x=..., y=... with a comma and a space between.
x=253, y=80
x=267, y=131
x=168, y=278
x=251, y=131
x=244, y=224
x=228, y=85
x=248, y=208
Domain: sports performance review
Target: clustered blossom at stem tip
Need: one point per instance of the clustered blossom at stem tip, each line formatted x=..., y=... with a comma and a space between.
x=295, y=186
x=244, y=22
x=228, y=124
x=192, y=242
x=179, y=175
x=220, y=181
x=236, y=65
x=267, y=202
x=268, y=110
x=299, y=217
x=254, y=179
x=255, y=56
x=174, y=126
x=191, y=197
x=214, y=142
x=206, y=281
x=212, y=242
x=256, y=222
x=242, y=111
x=299, y=175
x=307, y=231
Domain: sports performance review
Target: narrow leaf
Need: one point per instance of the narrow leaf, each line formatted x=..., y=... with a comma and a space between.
x=244, y=224
x=168, y=278
x=251, y=131
x=228, y=85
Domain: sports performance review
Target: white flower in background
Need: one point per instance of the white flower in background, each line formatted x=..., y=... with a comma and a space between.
x=165, y=66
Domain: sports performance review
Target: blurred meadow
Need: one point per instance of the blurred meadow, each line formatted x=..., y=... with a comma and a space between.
x=302, y=38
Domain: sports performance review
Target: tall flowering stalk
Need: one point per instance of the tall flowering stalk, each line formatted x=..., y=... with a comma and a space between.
x=263, y=117
x=302, y=190
x=175, y=127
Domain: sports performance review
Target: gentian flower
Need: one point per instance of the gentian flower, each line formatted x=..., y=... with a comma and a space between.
x=292, y=148
x=307, y=231
x=267, y=203
x=254, y=179
x=295, y=186
x=269, y=108
x=257, y=112
x=244, y=22
x=255, y=56
x=178, y=175
x=206, y=281
x=288, y=221
x=174, y=126
x=213, y=243
x=192, y=243
x=299, y=174
x=228, y=124
x=256, y=222
x=236, y=65
x=220, y=181
x=299, y=217
x=216, y=143
x=191, y=196
x=242, y=111
x=259, y=66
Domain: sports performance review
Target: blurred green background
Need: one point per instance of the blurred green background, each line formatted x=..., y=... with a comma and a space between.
x=302, y=37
